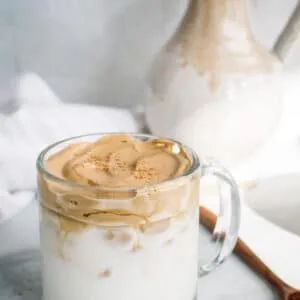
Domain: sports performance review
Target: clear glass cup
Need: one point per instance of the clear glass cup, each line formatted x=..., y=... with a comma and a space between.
x=127, y=243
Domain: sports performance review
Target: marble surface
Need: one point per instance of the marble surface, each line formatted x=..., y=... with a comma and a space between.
x=20, y=266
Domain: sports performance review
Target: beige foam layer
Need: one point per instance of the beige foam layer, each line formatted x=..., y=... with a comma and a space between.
x=118, y=161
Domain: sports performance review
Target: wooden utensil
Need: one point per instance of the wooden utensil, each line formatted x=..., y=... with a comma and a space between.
x=286, y=292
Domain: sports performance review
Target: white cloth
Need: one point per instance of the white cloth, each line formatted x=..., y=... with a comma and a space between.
x=37, y=120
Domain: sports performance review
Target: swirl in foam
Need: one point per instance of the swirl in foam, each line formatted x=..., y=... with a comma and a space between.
x=120, y=160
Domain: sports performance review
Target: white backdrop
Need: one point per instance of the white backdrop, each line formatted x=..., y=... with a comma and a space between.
x=98, y=51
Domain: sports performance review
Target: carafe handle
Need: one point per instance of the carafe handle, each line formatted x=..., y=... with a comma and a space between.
x=289, y=35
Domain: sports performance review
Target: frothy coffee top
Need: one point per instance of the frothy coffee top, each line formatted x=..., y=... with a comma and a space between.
x=117, y=180
x=120, y=161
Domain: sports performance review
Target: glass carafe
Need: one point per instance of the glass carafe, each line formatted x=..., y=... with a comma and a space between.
x=213, y=86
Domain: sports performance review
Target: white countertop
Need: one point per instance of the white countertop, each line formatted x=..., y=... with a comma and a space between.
x=19, y=267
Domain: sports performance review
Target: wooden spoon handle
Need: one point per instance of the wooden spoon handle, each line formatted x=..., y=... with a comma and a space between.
x=208, y=219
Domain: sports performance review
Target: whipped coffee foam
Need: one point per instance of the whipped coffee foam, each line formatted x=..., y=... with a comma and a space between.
x=120, y=160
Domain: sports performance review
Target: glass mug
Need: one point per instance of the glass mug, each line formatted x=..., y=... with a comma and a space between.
x=90, y=254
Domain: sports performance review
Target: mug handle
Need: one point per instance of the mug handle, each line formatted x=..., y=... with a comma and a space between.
x=230, y=209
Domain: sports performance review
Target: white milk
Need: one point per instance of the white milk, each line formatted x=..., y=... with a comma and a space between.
x=120, y=263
